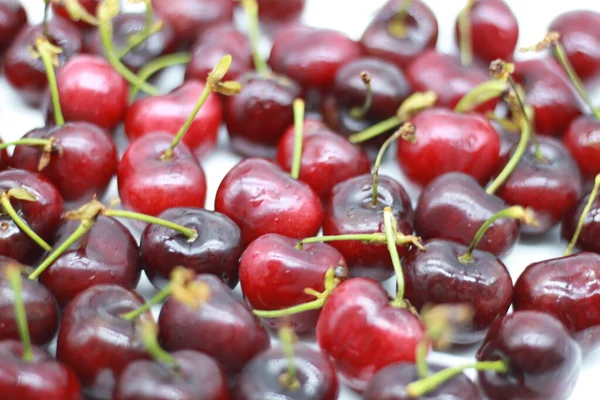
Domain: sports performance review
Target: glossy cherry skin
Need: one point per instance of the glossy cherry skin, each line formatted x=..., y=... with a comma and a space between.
x=258, y=116
x=274, y=274
x=89, y=5
x=543, y=359
x=549, y=187
x=582, y=139
x=447, y=77
x=437, y=276
x=141, y=176
x=12, y=19
x=590, y=232
x=42, y=215
x=27, y=74
x=350, y=210
x=198, y=377
x=233, y=338
x=450, y=142
x=454, y=206
x=127, y=24
x=260, y=379
x=327, y=158
x=83, y=166
x=548, y=91
x=580, y=36
x=280, y=12
x=216, y=250
x=311, y=56
x=40, y=307
x=389, y=88
x=380, y=41
x=390, y=384
x=215, y=43
x=566, y=288
x=261, y=198
x=373, y=333
x=494, y=31
x=106, y=254
x=96, y=342
x=41, y=378
x=168, y=113
x=191, y=17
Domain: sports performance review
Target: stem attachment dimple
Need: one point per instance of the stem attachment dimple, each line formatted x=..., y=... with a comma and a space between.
x=23, y=195
x=584, y=214
x=360, y=112
x=289, y=379
x=298, y=137
x=48, y=53
x=13, y=275
x=251, y=9
x=397, y=26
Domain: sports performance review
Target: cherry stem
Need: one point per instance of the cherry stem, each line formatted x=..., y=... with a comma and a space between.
x=12, y=213
x=584, y=214
x=149, y=333
x=48, y=53
x=432, y=382
x=370, y=238
x=298, y=137
x=375, y=130
x=45, y=27
x=156, y=299
x=27, y=142
x=13, y=275
x=156, y=65
x=190, y=233
x=251, y=9
x=397, y=26
x=480, y=94
x=407, y=132
x=140, y=37
x=465, y=34
x=515, y=212
x=289, y=379
x=78, y=13
x=389, y=226
x=81, y=230
x=421, y=358
x=360, y=112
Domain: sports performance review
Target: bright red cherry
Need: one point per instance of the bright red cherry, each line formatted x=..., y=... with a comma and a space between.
x=89, y=5
x=582, y=139
x=12, y=19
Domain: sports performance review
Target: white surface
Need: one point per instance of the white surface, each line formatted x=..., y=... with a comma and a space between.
x=351, y=17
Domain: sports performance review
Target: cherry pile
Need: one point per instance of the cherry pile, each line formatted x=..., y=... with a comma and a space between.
x=306, y=229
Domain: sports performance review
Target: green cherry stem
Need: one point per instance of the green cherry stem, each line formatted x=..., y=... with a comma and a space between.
x=369, y=238
x=78, y=13
x=27, y=142
x=156, y=65
x=156, y=299
x=584, y=214
x=360, y=112
x=465, y=34
x=251, y=9
x=421, y=358
x=389, y=226
x=480, y=94
x=13, y=275
x=140, y=37
x=12, y=213
x=288, y=380
x=190, y=233
x=49, y=56
x=148, y=335
x=298, y=137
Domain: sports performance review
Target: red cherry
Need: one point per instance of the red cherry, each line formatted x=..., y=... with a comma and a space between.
x=12, y=19
x=167, y=113
x=89, y=5
x=141, y=175
x=4, y=158
x=363, y=332
x=280, y=12
x=419, y=32
x=260, y=198
x=447, y=142
x=582, y=139
x=590, y=231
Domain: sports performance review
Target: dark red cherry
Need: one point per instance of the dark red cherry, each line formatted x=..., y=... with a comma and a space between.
x=40, y=307
x=197, y=377
x=106, y=254
x=582, y=139
x=436, y=275
x=4, y=158
x=550, y=187
x=261, y=198
x=128, y=24
x=233, y=339
x=192, y=17
x=567, y=289
x=216, y=250
x=96, y=342
x=363, y=332
x=274, y=274
x=82, y=165
x=382, y=39
x=41, y=378
x=447, y=77
x=580, y=36
x=311, y=56
x=549, y=93
x=350, y=210
x=454, y=206
x=448, y=141
x=261, y=378
x=543, y=359
x=168, y=113
x=12, y=19
x=390, y=384
x=42, y=215
x=327, y=158
x=27, y=74
x=258, y=116
x=141, y=175
x=89, y=5
x=280, y=12
x=589, y=238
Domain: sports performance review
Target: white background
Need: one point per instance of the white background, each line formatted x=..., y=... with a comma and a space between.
x=351, y=17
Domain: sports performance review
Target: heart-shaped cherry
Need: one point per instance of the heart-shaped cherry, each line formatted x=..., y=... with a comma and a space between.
x=12, y=19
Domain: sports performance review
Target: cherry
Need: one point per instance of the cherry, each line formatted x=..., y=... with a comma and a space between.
x=260, y=198
x=79, y=158
x=280, y=12
x=233, y=339
x=4, y=158
x=60, y=8
x=12, y=19
x=216, y=250
x=579, y=35
x=27, y=74
x=542, y=358
x=167, y=113
x=582, y=142
x=590, y=230
x=401, y=31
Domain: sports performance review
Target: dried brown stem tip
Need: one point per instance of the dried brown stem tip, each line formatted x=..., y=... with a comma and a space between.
x=365, y=77
x=549, y=40
x=501, y=70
